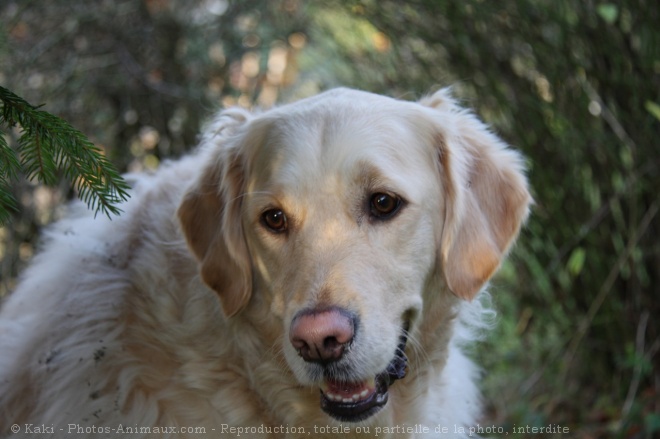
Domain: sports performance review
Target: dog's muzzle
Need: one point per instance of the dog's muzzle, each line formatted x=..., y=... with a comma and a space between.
x=357, y=401
x=324, y=336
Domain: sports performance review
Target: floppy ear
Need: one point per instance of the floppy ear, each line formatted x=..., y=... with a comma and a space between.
x=210, y=217
x=486, y=196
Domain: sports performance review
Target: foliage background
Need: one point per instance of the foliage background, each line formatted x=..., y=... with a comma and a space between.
x=574, y=85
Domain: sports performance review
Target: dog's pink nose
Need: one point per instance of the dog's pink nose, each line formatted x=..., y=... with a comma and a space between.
x=322, y=336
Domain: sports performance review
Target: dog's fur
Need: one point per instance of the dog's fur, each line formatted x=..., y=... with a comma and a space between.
x=118, y=323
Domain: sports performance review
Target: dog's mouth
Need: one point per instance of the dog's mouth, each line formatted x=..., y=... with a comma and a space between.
x=357, y=401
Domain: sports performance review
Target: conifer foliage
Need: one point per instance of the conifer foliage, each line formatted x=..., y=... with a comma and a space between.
x=49, y=148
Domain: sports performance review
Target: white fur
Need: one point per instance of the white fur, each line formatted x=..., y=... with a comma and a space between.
x=113, y=327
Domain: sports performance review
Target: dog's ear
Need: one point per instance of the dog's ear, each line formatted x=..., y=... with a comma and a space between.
x=486, y=193
x=210, y=216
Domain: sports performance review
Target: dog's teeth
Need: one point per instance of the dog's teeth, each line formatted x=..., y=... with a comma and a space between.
x=367, y=386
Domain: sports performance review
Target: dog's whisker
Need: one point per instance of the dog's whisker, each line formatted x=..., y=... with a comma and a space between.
x=245, y=194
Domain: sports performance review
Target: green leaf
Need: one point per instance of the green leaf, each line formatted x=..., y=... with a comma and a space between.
x=7, y=202
x=608, y=12
x=576, y=261
x=653, y=108
x=9, y=163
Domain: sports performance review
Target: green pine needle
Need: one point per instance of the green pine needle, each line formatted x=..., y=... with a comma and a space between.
x=49, y=145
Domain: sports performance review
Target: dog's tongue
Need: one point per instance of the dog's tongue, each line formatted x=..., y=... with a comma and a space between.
x=344, y=388
x=342, y=391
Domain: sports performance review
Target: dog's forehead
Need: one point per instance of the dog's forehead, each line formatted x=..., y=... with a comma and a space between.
x=339, y=138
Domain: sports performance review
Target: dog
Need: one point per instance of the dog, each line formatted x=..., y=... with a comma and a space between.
x=310, y=271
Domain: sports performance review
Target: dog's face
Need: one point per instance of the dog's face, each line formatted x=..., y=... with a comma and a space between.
x=339, y=219
x=339, y=212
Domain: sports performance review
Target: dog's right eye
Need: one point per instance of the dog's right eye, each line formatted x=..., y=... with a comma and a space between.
x=274, y=220
x=384, y=206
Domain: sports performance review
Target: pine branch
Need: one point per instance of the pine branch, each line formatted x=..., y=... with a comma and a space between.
x=48, y=145
x=9, y=169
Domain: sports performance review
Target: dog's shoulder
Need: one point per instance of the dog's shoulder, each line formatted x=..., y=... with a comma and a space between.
x=63, y=326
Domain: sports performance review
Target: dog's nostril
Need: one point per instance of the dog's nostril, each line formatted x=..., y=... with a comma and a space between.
x=331, y=343
x=321, y=336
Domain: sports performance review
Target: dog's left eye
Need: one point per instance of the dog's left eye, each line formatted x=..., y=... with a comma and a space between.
x=274, y=220
x=384, y=206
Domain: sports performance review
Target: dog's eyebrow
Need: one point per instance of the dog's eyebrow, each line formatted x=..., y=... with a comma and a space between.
x=373, y=178
x=370, y=176
x=245, y=194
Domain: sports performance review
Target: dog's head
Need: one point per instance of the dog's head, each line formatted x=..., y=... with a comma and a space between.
x=348, y=213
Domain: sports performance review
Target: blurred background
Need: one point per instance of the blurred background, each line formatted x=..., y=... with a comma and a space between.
x=575, y=85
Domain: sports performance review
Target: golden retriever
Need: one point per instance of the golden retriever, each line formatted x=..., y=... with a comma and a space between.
x=346, y=237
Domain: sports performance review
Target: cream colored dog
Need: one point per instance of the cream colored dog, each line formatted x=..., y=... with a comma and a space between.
x=346, y=237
